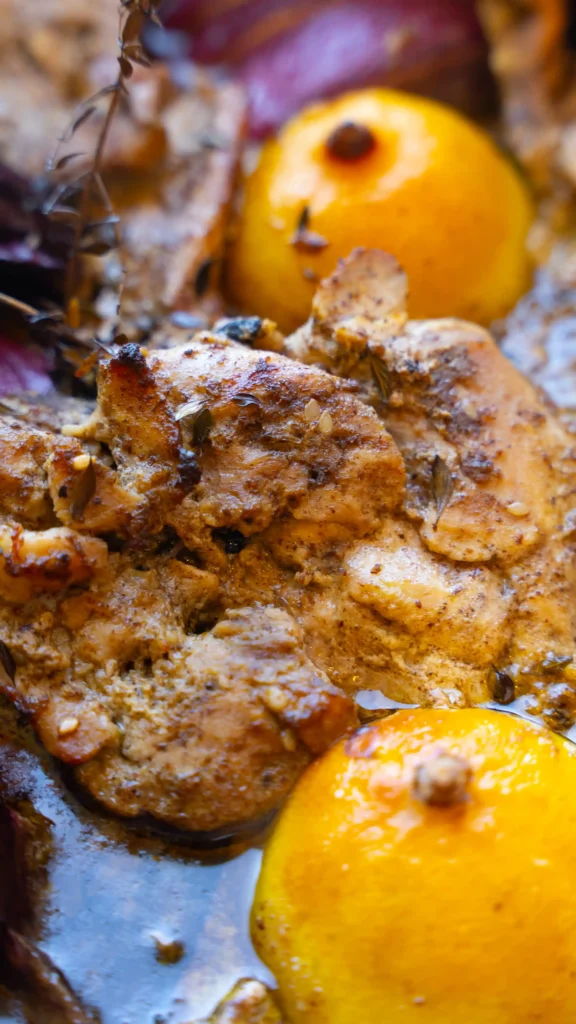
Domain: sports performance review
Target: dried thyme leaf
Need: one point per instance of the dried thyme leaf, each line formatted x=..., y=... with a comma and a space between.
x=303, y=221
x=309, y=241
x=38, y=318
x=305, y=240
x=105, y=91
x=95, y=247
x=82, y=118
x=67, y=214
x=201, y=420
x=243, y=329
x=82, y=490
x=243, y=399
x=112, y=219
x=125, y=67
x=62, y=192
x=442, y=486
x=503, y=690
x=7, y=661
x=381, y=375
x=139, y=57
x=202, y=425
x=132, y=27
x=65, y=160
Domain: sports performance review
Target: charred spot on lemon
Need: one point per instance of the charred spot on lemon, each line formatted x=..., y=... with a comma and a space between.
x=424, y=868
x=386, y=170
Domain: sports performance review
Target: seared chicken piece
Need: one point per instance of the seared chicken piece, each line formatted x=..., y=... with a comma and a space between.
x=263, y=542
x=490, y=494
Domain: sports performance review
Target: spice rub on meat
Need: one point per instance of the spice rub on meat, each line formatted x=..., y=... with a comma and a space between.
x=198, y=578
x=478, y=575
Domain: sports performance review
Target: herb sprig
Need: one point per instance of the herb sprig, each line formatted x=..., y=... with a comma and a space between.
x=72, y=201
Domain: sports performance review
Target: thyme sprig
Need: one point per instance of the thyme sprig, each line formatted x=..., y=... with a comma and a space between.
x=72, y=201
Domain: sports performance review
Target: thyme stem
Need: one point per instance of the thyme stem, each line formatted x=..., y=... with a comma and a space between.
x=73, y=271
x=22, y=307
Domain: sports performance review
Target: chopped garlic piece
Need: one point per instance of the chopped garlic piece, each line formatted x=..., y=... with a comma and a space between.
x=275, y=698
x=325, y=423
x=312, y=411
x=81, y=462
x=288, y=740
x=68, y=726
x=518, y=508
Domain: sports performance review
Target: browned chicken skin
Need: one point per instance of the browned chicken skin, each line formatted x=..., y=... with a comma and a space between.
x=488, y=539
x=196, y=576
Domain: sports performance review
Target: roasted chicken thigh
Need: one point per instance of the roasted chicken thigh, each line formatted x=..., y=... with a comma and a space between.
x=198, y=578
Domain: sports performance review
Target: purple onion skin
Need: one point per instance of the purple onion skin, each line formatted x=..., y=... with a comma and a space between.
x=292, y=52
x=14, y=902
x=27, y=235
x=33, y=248
x=15, y=909
x=23, y=368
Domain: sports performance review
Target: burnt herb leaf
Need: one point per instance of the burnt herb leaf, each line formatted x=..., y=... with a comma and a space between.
x=7, y=661
x=442, y=486
x=104, y=91
x=82, y=491
x=202, y=425
x=303, y=220
x=503, y=688
x=305, y=240
x=95, y=247
x=199, y=418
x=202, y=279
x=66, y=214
x=243, y=329
x=381, y=375
x=233, y=540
